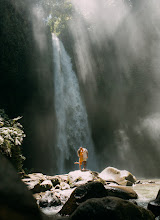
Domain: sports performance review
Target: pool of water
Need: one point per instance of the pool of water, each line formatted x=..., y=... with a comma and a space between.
x=147, y=190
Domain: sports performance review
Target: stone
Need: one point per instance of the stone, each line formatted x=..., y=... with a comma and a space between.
x=16, y=201
x=35, y=186
x=77, y=178
x=123, y=192
x=63, y=195
x=122, y=177
x=37, y=176
x=110, y=208
x=46, y=185
x=81, y=194
x=62, y=177
x=58, y=187
x=49, y=200
x=55, y=180
x=154, y=206
x=64, y=186
x=31, y=184
x=95, y=190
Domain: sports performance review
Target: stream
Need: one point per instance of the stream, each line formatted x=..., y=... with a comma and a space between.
x=147, y=190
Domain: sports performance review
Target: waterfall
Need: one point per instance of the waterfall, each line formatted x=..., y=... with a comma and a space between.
x=72, y=121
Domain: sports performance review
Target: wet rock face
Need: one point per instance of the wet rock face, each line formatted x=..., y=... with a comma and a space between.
x=81, y=194
x=110, y=208
x=154, y=206
x=16, y=201
x=94, y=190
x=121, y=192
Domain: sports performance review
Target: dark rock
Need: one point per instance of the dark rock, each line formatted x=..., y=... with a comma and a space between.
x=55, y=181
x=154, y=206
x=38, y=188
x=111, y=208
x=111, y=181
x=42, y=187
x=121, y=192
x=57, y=186
x=49, y=200
x=16, y=201
x=94, y=190
x=151, y=181
x=138, y=182
x=81, y=194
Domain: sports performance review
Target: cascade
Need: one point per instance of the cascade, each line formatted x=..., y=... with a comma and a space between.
x=72, y=123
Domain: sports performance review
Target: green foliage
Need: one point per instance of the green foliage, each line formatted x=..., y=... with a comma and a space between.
x=57, y=14
x=11, y=137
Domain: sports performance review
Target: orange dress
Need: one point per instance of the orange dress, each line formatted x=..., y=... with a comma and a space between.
x=80, y=157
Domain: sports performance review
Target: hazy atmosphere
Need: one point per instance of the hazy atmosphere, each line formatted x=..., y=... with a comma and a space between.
x=80, y=109
x=85, y=73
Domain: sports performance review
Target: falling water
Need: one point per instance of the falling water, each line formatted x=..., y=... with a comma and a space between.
x=73, y=129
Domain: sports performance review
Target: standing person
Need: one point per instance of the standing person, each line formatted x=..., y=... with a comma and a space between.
x=83, y=156
x=80, y=155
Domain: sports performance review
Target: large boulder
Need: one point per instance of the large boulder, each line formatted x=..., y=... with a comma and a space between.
x=111, y=208
x=154, y=205
x=78, y=177
x=121, y=192
x=16, y=201
x=81, y=194
x=94, y=190
x=122, y=177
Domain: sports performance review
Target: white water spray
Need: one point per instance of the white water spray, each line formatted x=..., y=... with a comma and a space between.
x=73, y=129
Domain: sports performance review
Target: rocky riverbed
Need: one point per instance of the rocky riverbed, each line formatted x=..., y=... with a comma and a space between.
x=113, y=193
x=57, y=195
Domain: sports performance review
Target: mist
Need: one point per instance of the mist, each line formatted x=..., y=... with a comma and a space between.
x=117, y=59
x=32, y=80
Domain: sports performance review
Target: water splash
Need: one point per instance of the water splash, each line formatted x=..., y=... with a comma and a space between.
x=73, y=129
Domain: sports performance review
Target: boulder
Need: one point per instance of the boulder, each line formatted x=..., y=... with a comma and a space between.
x=123, y=192
x=31, y=184
x=49, y=200
x=78, y=177
x=110, y=208
x=154, y=206
x=81, y=194
x=95, y=190
x=16, y=201
x=63, y=195
x=62, y=177
x=55, y=180
x=46, y=185
x=36, y=186
x=122, y=177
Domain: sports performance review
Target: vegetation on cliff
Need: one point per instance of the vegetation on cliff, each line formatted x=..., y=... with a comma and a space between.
x=11, y=138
